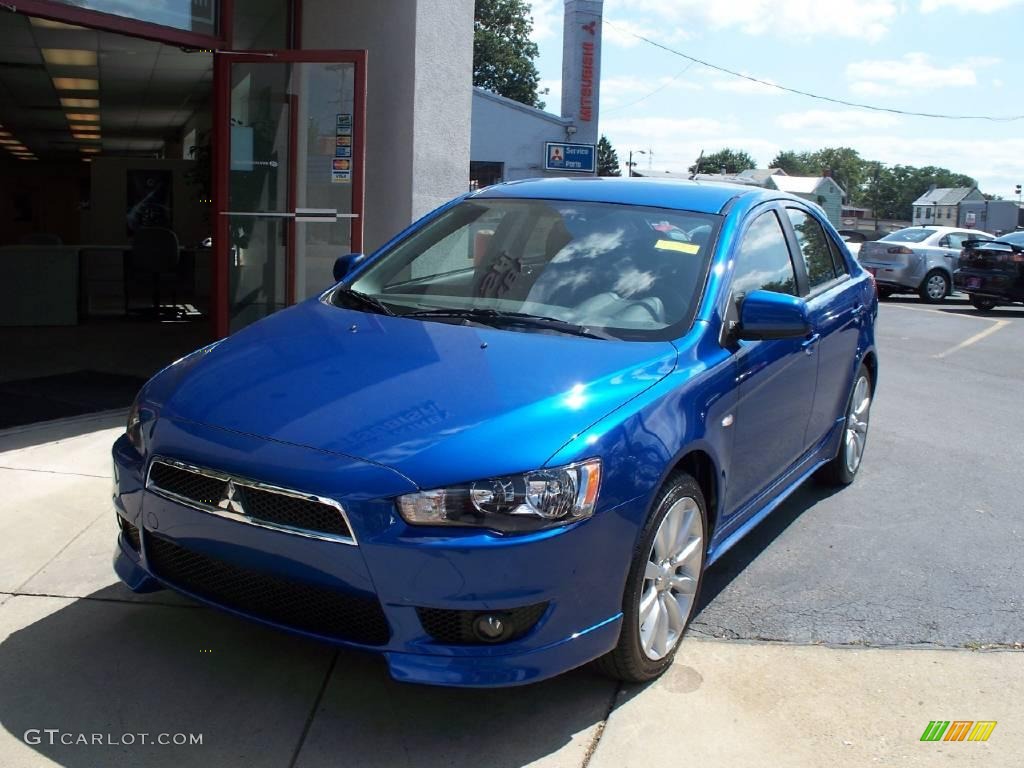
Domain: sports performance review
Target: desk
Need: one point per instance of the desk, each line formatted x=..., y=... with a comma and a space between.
x=58, y=284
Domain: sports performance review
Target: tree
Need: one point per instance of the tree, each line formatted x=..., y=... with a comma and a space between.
x=726, y=160
x=793, y=163
x=848, y=168
x=607, y=158
x=503, y=53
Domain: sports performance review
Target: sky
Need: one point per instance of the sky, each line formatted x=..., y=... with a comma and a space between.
x=939, y=56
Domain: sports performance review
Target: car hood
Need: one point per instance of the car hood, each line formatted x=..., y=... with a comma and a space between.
x=437, y=402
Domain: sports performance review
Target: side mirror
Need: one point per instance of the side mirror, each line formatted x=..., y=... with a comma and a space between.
x=770, y=315
x=344, y=265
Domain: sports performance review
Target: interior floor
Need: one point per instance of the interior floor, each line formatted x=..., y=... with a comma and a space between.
x=60, y=371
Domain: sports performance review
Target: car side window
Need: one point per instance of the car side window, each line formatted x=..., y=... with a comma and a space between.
x=814, y=247
x=763, y=262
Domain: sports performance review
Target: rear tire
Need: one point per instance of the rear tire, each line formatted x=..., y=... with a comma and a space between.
x=982, y=303
x=934, y=288
x=843, y=468
x=664, y=582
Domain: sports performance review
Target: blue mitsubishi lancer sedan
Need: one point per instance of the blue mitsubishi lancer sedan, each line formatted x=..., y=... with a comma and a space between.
x=512, y=440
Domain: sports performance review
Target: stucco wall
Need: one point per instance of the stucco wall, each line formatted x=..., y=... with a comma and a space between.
x=419, y=71
x=505, y=133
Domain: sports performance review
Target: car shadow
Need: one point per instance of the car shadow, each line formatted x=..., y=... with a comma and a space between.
x=721, y=573
x=257, y=696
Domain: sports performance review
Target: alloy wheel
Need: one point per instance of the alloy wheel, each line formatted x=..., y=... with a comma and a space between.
x=857, y=423
x=671, y=577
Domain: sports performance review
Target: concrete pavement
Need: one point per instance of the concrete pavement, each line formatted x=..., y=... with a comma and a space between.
x=81, y=654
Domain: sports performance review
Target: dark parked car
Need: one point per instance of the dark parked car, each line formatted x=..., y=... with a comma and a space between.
x=992, y=271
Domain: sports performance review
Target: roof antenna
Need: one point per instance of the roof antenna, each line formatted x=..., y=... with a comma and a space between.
x=696, y=167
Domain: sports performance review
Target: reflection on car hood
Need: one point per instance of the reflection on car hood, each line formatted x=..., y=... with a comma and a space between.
x=437, y=402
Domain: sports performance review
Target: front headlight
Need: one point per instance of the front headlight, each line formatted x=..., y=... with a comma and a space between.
x=540, y=499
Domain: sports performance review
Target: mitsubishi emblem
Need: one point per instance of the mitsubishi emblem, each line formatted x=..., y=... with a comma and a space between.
x=229, y=502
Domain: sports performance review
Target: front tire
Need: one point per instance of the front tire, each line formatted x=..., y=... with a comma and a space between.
x=934, y=288
x=843, y=468
x=885, y=293
x=663, y=583
x=982, y=303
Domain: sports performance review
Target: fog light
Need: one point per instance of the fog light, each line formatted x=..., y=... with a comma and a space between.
x=491, y=628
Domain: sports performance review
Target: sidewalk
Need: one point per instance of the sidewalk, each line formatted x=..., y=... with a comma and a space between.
x=81, y=654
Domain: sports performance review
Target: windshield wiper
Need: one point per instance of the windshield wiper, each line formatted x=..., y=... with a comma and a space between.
x=366, y=300
x=497, y=317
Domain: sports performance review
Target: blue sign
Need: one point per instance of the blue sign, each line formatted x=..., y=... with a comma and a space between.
x=571, y=158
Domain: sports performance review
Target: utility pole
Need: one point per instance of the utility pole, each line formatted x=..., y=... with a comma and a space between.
x=631, y=153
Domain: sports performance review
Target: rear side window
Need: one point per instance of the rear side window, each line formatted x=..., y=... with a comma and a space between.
x=814, y=247
x=763, y=262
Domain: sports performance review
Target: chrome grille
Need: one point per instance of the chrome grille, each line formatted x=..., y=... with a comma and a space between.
x=249, y=501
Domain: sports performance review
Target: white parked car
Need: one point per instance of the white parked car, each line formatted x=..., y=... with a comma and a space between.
x=917, y=260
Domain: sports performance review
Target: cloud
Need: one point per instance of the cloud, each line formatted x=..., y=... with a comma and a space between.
x=970, y=6
x=547, y=19
x=832, y=120
x=788, y=19
x=739, y=85
x=913, y=72
x=643, y=130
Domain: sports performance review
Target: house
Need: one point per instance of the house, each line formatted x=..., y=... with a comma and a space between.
x=822, y=190
x=941, y=206
x=727, y=178
x=760, y=175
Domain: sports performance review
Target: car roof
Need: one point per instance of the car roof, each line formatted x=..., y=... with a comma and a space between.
x=699, y=196
x=935, y=228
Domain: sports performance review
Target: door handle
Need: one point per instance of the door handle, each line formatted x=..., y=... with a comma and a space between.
x=858, y=310
x=808, y=344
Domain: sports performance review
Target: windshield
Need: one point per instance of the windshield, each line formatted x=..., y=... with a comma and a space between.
x=1016, y=238
x=912, y=235
x=627, y=271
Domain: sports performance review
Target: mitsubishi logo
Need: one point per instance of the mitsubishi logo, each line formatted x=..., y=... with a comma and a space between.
x=590, y=27
x=229, y=502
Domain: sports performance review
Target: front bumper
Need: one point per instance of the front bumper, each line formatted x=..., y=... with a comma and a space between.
x=578, y=572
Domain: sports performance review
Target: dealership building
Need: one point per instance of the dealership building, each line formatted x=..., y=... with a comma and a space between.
x=175, y=171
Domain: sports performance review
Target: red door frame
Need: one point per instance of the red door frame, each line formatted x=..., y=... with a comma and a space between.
x=222, y=161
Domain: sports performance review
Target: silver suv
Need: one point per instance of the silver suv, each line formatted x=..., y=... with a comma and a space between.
x=917, y=259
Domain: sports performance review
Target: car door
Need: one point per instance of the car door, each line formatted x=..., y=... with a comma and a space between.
x=836, y=309
x=776, y=378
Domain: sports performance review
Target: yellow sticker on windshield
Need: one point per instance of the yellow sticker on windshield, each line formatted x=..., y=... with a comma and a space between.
x=672, y=245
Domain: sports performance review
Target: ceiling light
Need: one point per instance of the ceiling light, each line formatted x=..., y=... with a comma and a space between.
x=87, y=136
x=89, y=150
x=69, y=57
x=83, y=117
x=80, y=103
x=76, y=84
x=10, y=141
x=47, y=24
x=84, y=127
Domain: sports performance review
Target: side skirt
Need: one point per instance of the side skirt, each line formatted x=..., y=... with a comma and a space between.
x=826, y=451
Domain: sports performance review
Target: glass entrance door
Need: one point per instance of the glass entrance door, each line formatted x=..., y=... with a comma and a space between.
x=291, y=173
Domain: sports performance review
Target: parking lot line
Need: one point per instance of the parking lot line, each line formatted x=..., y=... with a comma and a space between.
x=975, y=338
x=996, y=325
x=944, y=313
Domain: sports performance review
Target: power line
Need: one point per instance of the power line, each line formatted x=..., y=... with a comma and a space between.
x=798, y=92
x=661, y=87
